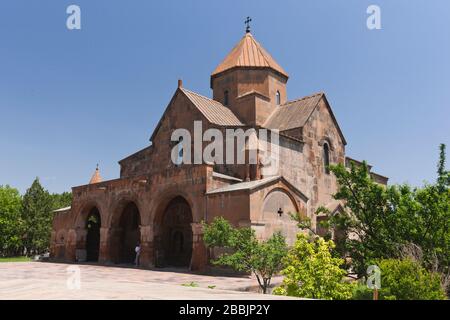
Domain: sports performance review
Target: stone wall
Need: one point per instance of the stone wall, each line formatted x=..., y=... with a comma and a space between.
x=59, y=236
x=321, y=129
x=270, y=212
x=150, y=194
x=240, y=82
x=150, y=180
x=136, y=164
x=302, y=158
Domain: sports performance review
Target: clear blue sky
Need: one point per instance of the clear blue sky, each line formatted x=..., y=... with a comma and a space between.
x=71, y=99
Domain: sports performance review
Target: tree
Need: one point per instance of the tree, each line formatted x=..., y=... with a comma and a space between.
x=10, y=221
x=25, y=222
x=312, y=271
x=262, y=258
x=37, y=217
x=61, y=200
x=378, y=221
x=404, y=279
x=443, y=180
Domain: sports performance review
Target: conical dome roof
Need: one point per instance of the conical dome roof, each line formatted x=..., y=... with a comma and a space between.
x=248, y=53
x=96, y=178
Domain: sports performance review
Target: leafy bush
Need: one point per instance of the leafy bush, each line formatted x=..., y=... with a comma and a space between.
x=407, y=280
x=312, y=272
x=403, y=280
x=362, y=292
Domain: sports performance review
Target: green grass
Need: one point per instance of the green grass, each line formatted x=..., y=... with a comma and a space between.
x=15, y=259
x=192, y=284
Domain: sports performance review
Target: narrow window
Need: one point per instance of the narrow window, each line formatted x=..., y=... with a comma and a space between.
x=225, y=98
x=278, y=98
x=326, y=158
x=180, y=152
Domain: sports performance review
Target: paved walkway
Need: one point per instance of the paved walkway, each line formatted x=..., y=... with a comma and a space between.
x=44, y=280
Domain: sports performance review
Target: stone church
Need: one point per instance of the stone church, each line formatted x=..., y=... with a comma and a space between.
x=161, y=205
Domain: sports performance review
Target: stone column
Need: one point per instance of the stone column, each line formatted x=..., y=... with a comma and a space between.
x=113, y=246
x=158, y=252
x=105, y=246
x=147, y=248
x=199, y=259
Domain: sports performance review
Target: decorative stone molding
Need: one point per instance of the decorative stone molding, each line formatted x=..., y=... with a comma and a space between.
x=197, y=232
x=197, y=228
x=244, y=223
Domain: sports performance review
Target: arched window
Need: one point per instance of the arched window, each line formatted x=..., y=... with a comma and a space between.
x=225, y=98
x=278, y=98
x=180, y=152
x=326, y=158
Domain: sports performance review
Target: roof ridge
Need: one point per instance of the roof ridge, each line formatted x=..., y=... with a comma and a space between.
x=259, y=48
x=201, y=96
x=303, y=98
x=232, y=50
x=214, y=111
x=244, y=185
x=302, y=104
x=268, y=57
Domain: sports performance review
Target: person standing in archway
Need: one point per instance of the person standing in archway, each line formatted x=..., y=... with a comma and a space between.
x=138, y=254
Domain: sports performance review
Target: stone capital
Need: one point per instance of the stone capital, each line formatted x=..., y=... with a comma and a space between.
x=197, y=228
x=147, y=233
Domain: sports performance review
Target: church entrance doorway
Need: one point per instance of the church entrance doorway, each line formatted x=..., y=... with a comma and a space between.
x=93, y=224
x=174, y=240
x=128, y=233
